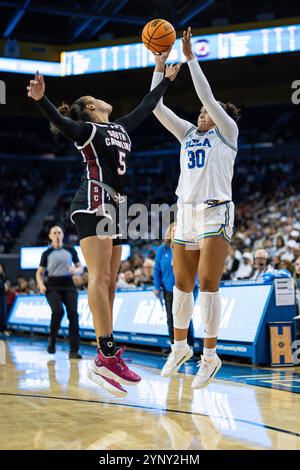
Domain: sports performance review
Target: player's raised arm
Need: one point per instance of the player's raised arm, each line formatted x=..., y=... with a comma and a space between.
x=75, y=131
x=224, y=122
x=149, y=102
x=177, y=126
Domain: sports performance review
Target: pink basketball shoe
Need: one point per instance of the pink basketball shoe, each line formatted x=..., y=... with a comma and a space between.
x=114, y=367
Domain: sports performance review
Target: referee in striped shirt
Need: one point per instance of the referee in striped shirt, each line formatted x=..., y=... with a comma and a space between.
x=59, y=262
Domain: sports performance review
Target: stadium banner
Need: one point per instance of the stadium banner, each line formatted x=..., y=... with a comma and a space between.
x=29, y=66
x=30, y=256
x=140, y=318
x=228, y=45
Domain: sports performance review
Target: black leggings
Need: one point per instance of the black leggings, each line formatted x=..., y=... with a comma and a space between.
x=168, y=296
x=56, y=299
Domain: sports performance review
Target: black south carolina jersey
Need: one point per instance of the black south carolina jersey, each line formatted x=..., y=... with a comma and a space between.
x=105, y=154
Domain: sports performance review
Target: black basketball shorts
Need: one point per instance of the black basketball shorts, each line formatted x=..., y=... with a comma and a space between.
x=95, y=213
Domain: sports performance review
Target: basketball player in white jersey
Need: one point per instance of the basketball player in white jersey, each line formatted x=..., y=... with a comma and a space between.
x=205, y=214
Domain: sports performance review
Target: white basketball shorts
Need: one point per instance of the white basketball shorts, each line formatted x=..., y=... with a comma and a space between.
x=197, y=222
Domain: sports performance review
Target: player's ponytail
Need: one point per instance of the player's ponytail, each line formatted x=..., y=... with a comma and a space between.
x=76, y=112
x=233, y=111
x=65, y=110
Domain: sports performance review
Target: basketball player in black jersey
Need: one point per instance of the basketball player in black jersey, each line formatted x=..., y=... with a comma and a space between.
x=105, y=147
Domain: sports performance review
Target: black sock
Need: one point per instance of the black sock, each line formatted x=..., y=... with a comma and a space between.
x=107, y=345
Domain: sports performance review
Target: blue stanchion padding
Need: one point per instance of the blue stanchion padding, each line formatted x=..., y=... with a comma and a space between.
x=139, y=318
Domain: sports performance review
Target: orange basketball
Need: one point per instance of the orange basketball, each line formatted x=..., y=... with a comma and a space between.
x=158, y=35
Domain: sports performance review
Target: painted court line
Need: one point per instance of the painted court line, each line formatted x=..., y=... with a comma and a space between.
x=152, y=408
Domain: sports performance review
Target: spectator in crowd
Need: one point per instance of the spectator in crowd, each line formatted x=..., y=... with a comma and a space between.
x=275, y=262
x=126, y=280
x=20, y=188
x=279, y=246
x=137, y=261
x=294, y=235
x=289, y=253
x=22, y=286
x=285, y=264
x=261, y=265
x=3, y=312
x=147, y=277
x=32, y=287
x=164, y=282
x=10, y=295
x=268, y=246
x=225, y=275
x=138, y=276
x=125, y=265
x=233, y=259
x=245, y=268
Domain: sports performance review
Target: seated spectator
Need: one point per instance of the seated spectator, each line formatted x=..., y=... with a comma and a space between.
x=261, y=265
x=148, y=267
x=3, y=309
x=294, y=235
x=233, y=259
x=279, y=245
x=275, y=262
x=137, y=261
x=138, y=275
x=10, y=295
x=125, y=266
x=126, y=280
x=225, y=275
x=289, y=253
x=297, y=292
x=32, y=286
x=288, y=265
x=268, y=246
x=22, y=286
x=245, y=268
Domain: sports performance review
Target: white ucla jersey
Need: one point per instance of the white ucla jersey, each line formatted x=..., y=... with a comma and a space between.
x=206, y=163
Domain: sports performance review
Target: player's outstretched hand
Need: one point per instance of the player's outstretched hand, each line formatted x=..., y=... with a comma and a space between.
x=186, y=44
x=36, y=88
x=160, y=60
x=172, y=71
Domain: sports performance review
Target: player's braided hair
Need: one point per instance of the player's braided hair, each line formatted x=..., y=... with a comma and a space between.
x=75, y=111
x=233, y=111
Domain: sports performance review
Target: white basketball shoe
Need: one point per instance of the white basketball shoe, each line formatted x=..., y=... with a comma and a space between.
x=176, y=358
x=207, y=371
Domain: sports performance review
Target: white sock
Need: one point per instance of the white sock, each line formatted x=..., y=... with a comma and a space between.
x=180, y=344
x=209, y=353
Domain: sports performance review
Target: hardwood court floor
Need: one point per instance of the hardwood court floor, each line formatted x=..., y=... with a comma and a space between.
x=48, y=403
